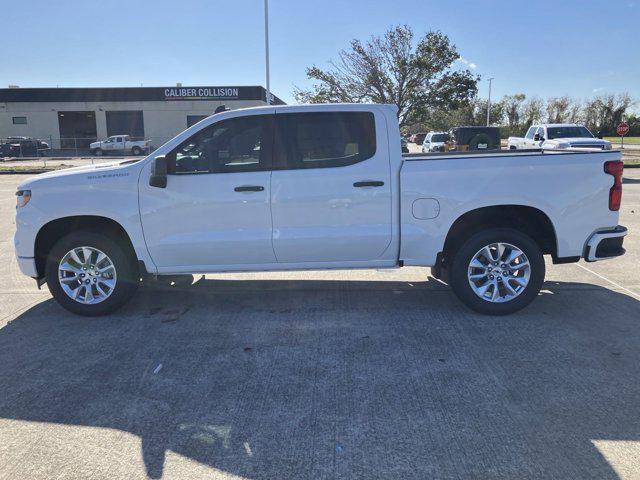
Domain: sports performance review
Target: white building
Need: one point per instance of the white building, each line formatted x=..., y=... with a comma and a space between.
x=74, y=117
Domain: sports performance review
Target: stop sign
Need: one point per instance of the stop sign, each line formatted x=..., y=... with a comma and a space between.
x=622, y=129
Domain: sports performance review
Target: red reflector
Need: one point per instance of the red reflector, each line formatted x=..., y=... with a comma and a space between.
x=615, y=169
x=615, y=198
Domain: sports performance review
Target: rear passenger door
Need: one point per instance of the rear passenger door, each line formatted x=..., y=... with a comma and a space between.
x=330, y=187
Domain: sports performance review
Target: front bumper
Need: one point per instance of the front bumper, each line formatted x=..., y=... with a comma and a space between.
x=605, y=244
x=28, y=266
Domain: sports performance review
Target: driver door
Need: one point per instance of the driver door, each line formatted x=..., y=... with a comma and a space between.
x=214, y=213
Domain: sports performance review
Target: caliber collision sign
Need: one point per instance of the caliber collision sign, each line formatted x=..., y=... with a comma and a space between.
x=622, y=129
x=201, y=93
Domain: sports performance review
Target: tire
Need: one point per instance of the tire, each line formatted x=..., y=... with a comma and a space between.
x=136, y=151
x=124, y=272
x=515, y=276
x=97, y=152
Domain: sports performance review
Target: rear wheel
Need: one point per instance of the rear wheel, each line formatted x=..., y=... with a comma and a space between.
x=90, y=274
x=498, y=271
x=136, y=151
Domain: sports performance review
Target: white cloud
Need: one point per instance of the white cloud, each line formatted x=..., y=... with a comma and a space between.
x=596, y=90
x=469, y=64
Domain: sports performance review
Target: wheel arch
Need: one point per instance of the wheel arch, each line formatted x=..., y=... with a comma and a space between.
x=526, y=219
x=54, y=230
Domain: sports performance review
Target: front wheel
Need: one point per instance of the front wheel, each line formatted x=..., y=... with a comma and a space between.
x=90, y=274
x=498, y=271
x=97, y=152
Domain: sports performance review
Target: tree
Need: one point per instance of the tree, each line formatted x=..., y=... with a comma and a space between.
x=605, y=112
x=532, y=111
x=562, y=110
x=512, y=108
x=418, y=77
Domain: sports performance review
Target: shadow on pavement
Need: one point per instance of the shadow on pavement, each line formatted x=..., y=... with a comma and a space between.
x=318, y=379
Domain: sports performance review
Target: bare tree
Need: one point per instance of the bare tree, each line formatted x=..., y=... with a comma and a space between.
x=391, y=69
x=563, y=110
x=532, y=111
x=604, y=112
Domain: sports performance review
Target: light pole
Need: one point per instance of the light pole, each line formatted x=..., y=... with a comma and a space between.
x=489, y=103
x=266, y=47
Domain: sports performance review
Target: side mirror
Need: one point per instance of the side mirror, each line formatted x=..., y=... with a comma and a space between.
x=158, y=176
x=599, y=134
x=536, y=137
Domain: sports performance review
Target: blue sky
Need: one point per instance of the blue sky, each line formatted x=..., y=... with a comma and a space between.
x=544, y=48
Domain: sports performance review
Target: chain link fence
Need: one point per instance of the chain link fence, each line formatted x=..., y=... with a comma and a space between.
x=58, y=147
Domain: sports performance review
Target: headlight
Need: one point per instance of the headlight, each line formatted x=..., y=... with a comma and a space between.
x=22, y=198
x=607, y=146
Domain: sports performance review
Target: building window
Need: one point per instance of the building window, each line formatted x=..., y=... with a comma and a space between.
x=19, y=120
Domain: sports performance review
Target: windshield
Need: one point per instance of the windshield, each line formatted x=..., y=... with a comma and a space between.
x=440, y=137
x=568, y=132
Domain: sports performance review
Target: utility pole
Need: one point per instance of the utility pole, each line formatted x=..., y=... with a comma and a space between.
x=266, y=47
x=489, y=103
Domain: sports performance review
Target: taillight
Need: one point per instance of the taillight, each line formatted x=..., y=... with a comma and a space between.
x=615, y=194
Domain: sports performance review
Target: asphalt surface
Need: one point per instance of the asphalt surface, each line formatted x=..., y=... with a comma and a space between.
x=317, y=375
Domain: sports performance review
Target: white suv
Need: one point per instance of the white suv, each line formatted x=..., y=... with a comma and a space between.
x=435, y=142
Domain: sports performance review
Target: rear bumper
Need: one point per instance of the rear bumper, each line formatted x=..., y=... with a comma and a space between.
x=605, y=244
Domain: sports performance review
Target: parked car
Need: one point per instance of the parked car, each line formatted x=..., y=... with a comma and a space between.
x=22, y=147
x=335, y=192
x=119, y=144
x=474, y=138
x=418, y=138
x=435, y=142
x=558, y=136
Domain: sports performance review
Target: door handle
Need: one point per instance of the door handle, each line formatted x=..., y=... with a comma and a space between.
x=372, y=183
x=249, y=188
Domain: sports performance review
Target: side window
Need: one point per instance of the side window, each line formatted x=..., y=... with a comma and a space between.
x=325, y=139
x=531, y=133
x=540, y=132
x=234, y=145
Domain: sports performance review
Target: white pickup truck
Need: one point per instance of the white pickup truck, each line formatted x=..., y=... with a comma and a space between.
x=119, y=144
x=316, y=187
x=558, y=136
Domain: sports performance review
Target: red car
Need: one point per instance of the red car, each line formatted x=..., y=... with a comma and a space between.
x=418, y=138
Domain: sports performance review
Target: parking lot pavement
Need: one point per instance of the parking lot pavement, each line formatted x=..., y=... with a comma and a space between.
x=366, y=374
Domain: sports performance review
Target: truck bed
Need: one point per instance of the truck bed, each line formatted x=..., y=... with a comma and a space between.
x=570, y=188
